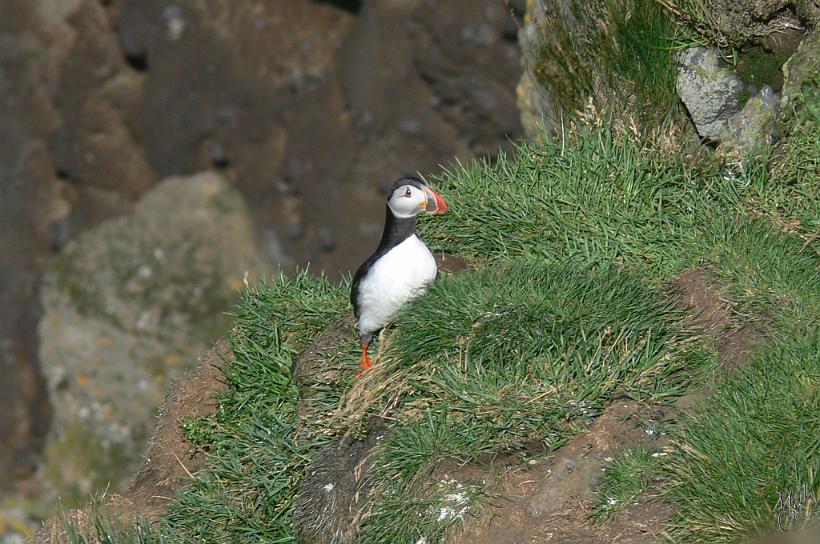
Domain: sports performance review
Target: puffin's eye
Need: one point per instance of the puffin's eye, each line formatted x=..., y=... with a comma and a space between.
x=408, y=193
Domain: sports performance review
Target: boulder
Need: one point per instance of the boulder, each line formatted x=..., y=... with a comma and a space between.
x=169, y=461
x=709, y=89
x=756, y=126
x=801, y=74
x=128, y=306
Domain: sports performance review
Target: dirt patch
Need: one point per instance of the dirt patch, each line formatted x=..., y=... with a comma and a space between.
x=637, y=524
x=450, y=265
x=169, y=459
x=549, y=500
x=699, y=294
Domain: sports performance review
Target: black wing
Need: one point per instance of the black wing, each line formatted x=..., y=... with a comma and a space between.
x=357, y=280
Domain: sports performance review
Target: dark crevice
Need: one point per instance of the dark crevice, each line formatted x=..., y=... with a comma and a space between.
x=64, y=175
x=40, y=408
x=510, y=36
x=350, y=6
x=516, y=7
x=515, y=14
x=137, y=61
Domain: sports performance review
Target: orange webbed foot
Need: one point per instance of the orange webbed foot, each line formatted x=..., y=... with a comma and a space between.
x=366, y=361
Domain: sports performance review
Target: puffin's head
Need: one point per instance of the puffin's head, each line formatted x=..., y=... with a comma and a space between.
x=411, y=196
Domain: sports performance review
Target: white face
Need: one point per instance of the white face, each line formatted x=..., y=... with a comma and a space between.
x=407, y=201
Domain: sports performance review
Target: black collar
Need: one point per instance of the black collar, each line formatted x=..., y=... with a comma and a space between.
x=396, y=231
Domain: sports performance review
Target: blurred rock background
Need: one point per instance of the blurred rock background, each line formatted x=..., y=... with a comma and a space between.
x=155, y=152
x=117, y=260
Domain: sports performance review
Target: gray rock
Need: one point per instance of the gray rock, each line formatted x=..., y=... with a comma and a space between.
x=756, y=125
x=127, y=306
x=709, y=89
x=539, y=109
x=802, y=68
x=481, y=34
x=535, y=103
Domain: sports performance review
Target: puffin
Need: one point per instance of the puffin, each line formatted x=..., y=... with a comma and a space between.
x=402, y=266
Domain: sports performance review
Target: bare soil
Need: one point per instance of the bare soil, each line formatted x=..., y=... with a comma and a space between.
x=699, y=293
x=550, y=500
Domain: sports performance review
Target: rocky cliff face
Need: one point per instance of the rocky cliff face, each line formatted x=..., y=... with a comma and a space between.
x=309, y=108
x=615, y=63
x=596, y=59
x=127, y=307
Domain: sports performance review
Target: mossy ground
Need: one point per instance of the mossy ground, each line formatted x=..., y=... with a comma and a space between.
x=573, y=246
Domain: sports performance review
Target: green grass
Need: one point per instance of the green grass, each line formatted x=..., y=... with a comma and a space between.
x=257, y=455
x=575, y=246
x=626, y=65
x=626, y=479
x=514, y=356
x=103, y=529
x=598, y=199
x=614, y=201
x=752, y=448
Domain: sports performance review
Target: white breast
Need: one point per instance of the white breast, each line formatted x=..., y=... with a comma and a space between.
x=399, y=275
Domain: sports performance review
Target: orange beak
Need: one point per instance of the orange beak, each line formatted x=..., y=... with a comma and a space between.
x=435, y=203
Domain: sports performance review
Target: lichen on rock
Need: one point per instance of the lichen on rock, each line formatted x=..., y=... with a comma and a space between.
x=128, y=306
x=709, y=89
x=755, y=126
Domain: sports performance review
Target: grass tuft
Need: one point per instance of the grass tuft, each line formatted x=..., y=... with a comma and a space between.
x=257, y=453
x=749, y=460
x=627, y=478
x=103, y=529
x=513, y=356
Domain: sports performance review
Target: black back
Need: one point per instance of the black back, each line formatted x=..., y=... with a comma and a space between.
x=396, y=231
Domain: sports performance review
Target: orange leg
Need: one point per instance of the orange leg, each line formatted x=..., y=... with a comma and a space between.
x=367, y=362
